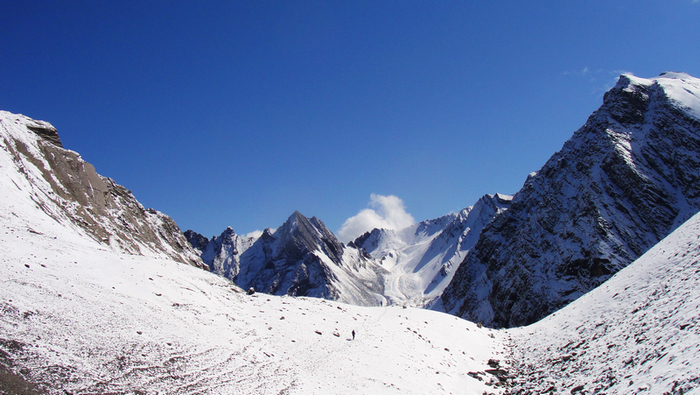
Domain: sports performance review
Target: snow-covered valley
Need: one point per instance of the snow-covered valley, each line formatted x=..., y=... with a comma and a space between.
x=101, y=295
x=78, y=318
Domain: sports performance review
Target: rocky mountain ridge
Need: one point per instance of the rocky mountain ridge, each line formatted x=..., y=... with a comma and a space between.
x=69, y=190
x=625, y=180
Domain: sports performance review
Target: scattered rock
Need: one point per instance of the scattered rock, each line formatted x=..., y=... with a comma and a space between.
x=476, y=375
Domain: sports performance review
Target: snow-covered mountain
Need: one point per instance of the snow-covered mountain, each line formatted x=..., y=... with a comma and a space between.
x=222, y=252
x=79, y=317
x=121, y=314
x=625, y=180
x=300, y=258
x=422, y=258
x=38, y=171
x=410, y=266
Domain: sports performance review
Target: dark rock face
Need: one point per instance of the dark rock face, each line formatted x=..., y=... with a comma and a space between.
x=290, y=267
x=196, y=240
x=625, y=180
x=74, y=194
x=47, y=132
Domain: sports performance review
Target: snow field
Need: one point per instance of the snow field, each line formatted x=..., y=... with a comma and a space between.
x=87, y=320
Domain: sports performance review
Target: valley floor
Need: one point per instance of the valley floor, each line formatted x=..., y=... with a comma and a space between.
x=80, y=319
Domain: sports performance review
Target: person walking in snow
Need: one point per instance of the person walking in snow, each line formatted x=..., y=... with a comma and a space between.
x=353, y=334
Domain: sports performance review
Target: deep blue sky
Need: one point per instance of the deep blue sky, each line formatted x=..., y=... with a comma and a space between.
x=226, y=113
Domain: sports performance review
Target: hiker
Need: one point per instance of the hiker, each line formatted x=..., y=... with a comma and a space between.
x=353, y=334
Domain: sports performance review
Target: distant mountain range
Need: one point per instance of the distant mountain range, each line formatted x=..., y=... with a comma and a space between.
x=625, y=180
x=302, y=257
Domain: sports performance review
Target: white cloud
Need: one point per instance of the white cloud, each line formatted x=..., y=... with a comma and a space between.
x=254, y=234
x=386, y=212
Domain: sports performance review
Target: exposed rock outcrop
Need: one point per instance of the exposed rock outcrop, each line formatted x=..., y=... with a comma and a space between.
x=70, y=191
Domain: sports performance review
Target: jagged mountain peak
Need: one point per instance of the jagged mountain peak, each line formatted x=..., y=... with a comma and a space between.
x=676, y=89
x=196, y=240
x=302, y=233
x=302, y=258
x=625, y=180
x=296, y=221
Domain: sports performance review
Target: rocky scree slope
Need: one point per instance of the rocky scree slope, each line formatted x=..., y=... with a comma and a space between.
x=58, y=181
x=625, y=180
x=300, y=258
x=636, y=333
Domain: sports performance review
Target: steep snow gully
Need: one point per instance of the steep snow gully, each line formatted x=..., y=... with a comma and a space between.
x=100, y=295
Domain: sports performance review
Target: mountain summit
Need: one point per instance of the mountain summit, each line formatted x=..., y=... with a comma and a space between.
x=625, y=180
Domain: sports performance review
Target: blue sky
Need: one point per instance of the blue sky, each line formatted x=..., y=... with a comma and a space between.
x=223, y=113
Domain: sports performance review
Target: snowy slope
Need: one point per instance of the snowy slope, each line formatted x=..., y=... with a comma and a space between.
x=639, y=332
x=38, y=171
x=422, y=258
x=80, y=318
x=625, y=180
